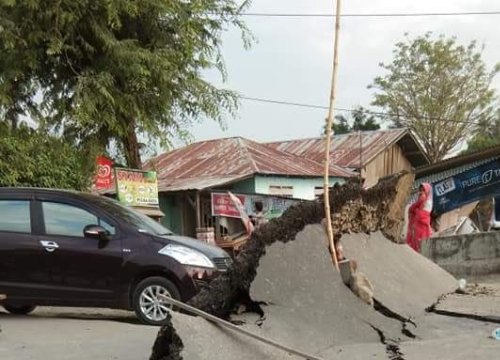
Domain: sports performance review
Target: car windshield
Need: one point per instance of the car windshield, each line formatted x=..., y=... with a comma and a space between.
x=133, y=217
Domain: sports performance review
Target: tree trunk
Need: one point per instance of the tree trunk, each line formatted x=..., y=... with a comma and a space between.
x=131, y=147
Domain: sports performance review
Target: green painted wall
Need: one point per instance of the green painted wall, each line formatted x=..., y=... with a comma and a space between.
x=245, y=186
x=172, y=210
x=303, y=188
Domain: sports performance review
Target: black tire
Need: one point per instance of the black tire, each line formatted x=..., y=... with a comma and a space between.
x=19, y=309
x=143, y=300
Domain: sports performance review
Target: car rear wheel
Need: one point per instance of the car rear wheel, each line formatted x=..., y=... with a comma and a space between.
x=148, y=302
x=19, y=309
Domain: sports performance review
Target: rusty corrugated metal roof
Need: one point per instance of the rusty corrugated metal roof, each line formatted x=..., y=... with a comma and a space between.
x=216, y=161
x=349, y=150
x=197, y=183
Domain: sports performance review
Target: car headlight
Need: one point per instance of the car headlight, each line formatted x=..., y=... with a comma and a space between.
x=186, y=256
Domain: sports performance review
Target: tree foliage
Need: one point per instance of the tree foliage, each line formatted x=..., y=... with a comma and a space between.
x=115, y=69
x=31, y=158
x=486, y=134
x=360, y=120
x=437, y=88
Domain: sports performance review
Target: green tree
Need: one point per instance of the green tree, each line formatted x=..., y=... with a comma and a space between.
x=119, y=70
x=32, y=158
x=486, y=134
x=437, y=88
x=361, y=121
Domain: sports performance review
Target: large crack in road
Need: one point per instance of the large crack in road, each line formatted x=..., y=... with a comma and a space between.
x=391, y=346
x=385, y=311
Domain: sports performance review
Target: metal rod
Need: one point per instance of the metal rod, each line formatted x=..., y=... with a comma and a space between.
x=238, y=329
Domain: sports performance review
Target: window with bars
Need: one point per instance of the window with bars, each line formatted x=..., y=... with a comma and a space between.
x=285, y=191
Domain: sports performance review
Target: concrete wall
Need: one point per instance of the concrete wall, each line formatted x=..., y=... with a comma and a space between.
x=465, y=255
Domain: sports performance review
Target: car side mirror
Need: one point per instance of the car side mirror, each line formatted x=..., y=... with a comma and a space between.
x=95, y=232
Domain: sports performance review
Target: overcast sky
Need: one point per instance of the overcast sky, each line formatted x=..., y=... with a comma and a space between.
x=292, y=58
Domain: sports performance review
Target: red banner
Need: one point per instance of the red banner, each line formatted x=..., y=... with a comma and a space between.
x=103, y=179
x=222, y=205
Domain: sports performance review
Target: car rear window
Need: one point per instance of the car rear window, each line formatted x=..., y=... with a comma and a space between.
x=15, y=216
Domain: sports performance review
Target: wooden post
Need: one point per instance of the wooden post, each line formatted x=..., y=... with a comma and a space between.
x=329, y=125
x=198, y=210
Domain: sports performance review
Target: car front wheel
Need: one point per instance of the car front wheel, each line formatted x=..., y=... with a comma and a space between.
x=148, y=302
x=19, y=309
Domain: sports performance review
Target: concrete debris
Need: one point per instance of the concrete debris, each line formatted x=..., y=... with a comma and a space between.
x=306, y=294
x=203, y=340
x=398, y=272
x=480, y=303
x=299, y=297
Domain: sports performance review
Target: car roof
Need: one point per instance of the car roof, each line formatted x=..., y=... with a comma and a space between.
x=60, y=192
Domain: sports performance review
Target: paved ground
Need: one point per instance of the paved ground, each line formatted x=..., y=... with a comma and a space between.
x=74, y=334
x=81, y=334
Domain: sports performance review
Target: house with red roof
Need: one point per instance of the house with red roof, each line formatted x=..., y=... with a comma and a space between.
x=188, y=176
x=371, y=154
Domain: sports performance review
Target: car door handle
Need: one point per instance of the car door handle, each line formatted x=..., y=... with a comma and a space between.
x=50, y=246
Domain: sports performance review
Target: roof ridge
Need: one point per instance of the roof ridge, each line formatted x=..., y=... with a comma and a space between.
x=249, y=156
x=334, y=135
x=289, y=155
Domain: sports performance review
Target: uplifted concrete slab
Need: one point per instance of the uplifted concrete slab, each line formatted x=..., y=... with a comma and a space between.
x=309, y=306
x=481, y=301
x=404, y=281
x=206, y=341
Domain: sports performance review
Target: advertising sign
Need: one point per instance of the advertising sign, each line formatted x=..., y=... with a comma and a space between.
x=104, y=178
x=222, y=205
x=475, y=184
x=273, y=206
x=136, y=187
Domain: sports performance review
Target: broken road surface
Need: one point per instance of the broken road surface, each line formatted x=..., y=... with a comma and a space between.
x=286, y=272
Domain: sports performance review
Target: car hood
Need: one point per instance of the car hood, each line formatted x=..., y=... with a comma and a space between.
x=208, y=250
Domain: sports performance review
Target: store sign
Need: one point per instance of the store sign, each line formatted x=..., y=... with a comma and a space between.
x=222, y=205
x=274, y=206
x=103, y=178
x=136, y=188
x=472, y=185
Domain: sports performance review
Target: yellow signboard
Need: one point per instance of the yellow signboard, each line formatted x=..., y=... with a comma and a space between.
x=136, y=187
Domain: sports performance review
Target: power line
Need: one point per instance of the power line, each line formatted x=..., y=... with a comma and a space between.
x=324, y=15
x=311, y=106
x=378, y=113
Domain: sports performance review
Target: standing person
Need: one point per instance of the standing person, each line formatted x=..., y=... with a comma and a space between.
x=260, y=217
x=419, y=218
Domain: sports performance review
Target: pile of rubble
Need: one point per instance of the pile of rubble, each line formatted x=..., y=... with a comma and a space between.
x=293, y=295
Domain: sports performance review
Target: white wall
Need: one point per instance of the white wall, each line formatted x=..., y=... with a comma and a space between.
x=303, y=188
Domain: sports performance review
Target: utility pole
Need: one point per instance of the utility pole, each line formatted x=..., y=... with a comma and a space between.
x=329, y=123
